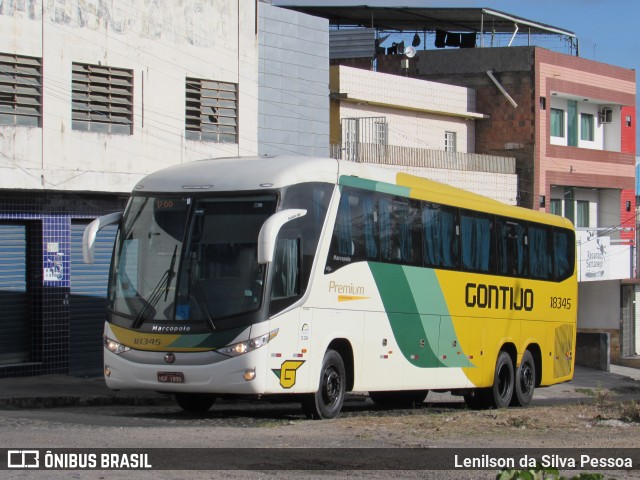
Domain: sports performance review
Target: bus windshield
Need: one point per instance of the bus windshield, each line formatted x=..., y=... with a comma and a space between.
x=189, y=259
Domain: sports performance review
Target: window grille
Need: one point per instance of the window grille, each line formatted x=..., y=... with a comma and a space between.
x=450, y=141
x=20, y=90
x=211, y=111
x=364, y=133
x=102, y=99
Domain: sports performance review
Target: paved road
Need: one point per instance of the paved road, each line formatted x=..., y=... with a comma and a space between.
x=96, y=418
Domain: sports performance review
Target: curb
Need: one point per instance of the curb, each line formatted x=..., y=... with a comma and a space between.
x=81, y=401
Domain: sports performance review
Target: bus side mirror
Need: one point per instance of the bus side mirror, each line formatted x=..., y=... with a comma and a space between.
x=270, y=229
x=89, y=235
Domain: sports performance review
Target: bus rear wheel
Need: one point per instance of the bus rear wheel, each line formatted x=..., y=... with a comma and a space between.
x=327, y=401
x=503, y=381
x=400, y=398
x=525, y=381
x=499, y=395
x=194, y=402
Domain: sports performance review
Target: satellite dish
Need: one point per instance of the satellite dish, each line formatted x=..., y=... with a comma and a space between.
x=410, y=52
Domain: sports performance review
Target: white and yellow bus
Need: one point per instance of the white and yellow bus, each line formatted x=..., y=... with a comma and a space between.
x=315, y=277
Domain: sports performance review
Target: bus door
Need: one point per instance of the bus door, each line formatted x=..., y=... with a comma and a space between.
x=289, y=352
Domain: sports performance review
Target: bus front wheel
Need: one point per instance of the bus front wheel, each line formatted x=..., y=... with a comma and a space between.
x=327, y=401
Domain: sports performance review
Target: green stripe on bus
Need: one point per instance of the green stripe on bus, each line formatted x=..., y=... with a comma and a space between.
x=349, y=181
x=405, y=293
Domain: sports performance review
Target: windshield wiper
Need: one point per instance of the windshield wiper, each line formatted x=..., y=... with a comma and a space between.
x=165, y=282
x=199, y=296
x=170, y=273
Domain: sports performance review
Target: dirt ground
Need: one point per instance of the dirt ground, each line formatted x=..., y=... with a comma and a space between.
x=601, y=424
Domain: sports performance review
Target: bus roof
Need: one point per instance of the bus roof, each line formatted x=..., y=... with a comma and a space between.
x=233, y=174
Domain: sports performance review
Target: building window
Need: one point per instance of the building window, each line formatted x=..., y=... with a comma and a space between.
x=449, y=141
x=211, y=111
x=586, y=127
x=582, y=213
x=20, y=90
x=555, y=206
x=557, y=122
x=102, y=99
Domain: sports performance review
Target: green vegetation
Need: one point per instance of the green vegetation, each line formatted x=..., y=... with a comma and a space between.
x=539, y=473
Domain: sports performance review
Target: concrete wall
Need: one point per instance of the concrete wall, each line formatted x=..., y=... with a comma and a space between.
x=163, y=42
x=294, y=83
x=418, y=112
x=595, y=302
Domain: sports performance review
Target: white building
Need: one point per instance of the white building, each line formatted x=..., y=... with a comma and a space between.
x=420, y=127
x=96, y=94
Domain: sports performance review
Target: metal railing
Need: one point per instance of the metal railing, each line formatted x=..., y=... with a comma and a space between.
x=421, y=157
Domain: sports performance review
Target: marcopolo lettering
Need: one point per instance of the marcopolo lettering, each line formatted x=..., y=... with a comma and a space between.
x=170, y=329
x=498, y=297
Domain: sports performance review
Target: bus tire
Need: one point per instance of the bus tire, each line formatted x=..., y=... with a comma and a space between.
x=503, y=381
x=525, y=381
x=194, y=402
x=401, y=398
x=327, y=401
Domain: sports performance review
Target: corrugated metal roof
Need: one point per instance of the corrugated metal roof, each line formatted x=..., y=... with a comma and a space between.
x=423, y=19
x=352, y=43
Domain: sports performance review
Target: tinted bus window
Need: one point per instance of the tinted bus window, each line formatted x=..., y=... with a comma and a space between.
x=400, y=235
x=564, y=247
x=511, y=248
x=476, y=231
x=540, y=252
x=355, y=235
x=440, y=237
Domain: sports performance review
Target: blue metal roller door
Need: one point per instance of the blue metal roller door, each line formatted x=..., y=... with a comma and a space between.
x=14, y=321
x=88, y=301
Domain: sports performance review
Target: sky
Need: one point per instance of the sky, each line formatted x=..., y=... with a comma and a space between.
x=607, y=30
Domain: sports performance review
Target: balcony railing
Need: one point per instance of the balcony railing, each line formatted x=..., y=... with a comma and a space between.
x=421, y=157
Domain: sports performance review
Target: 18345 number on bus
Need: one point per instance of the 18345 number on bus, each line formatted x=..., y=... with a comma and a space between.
x=560, y=303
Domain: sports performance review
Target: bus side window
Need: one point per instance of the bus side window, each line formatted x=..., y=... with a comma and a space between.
x=440, y=236
x=342, y=234
x=364, y=226
x=285, y=274
x=286, y=269
x=511, y=246
x=355, y=235
x=477, y=242
x=563, y=243
x=385, y=213
x=540, y=252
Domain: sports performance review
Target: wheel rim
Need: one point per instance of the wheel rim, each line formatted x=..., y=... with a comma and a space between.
x=526, y=379
x=332, y=386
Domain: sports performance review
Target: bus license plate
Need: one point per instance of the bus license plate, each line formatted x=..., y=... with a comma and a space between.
x=170, y=377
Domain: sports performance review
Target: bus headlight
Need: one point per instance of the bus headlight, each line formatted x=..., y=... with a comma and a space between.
x=115, y=347
x=248, y=346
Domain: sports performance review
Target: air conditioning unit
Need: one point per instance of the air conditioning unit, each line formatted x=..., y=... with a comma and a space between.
x=605, y=115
